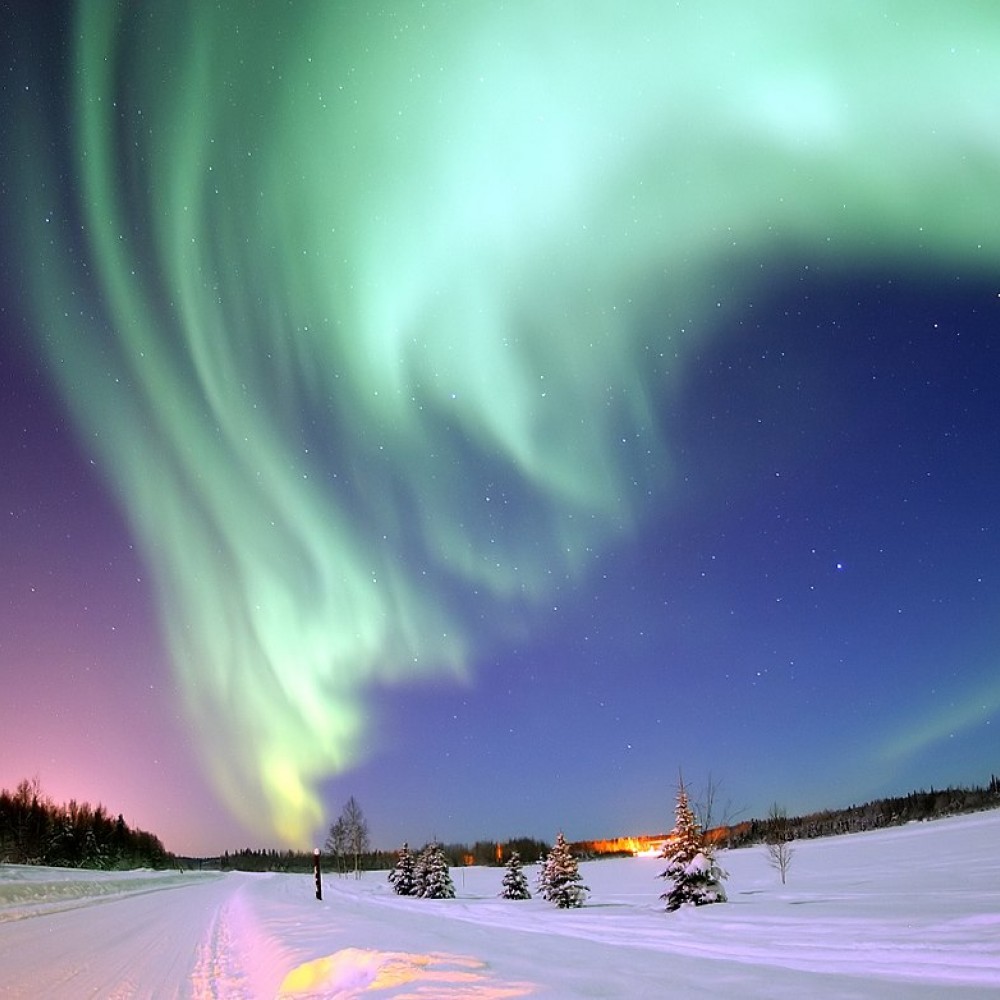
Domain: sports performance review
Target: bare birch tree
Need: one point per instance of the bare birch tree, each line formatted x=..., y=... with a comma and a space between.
x=779, y=841
x=349, y=835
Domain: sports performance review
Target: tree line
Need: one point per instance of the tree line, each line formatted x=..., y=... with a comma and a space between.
x=347, y=848
x=485, y=853
x=36, y=831
x=874, y=815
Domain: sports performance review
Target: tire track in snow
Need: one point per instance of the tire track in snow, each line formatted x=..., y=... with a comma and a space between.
x=219, y=972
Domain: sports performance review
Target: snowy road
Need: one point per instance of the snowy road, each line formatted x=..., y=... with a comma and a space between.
x=162, y=932
x=911, y=912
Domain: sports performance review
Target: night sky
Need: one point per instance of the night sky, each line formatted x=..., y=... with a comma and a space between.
x=489, y=411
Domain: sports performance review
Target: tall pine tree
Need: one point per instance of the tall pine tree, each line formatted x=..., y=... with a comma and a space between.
x=695, y=876
x=560, y=881
x=515, y=882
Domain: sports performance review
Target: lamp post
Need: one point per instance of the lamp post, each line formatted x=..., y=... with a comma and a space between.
x=316, y=873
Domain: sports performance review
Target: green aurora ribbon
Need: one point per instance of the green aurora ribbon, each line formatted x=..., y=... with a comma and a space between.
x=359, y=302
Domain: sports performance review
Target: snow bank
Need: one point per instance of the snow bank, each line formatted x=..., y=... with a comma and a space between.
x=27, y=891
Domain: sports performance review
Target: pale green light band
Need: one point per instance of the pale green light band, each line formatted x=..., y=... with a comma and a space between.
x=392, y=295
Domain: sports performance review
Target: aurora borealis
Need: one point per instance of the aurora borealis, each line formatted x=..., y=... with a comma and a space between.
x=486, y=387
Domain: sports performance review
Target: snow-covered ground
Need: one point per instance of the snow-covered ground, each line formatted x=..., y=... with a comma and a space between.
x=907, y=912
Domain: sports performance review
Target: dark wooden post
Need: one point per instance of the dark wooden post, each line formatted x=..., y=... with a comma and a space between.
x=316, y=872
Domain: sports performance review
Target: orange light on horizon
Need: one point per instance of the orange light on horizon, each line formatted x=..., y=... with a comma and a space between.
x=641, y=846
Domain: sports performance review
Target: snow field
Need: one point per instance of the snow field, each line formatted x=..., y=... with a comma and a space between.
x=908, y=912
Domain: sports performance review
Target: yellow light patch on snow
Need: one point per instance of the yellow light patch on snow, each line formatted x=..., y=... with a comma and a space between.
x=352, y=971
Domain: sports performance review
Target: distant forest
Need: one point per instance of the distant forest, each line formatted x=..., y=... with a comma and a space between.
x=483, y=852
x=874, y=815
x=36, y=831
x=33, y=830
x=895, y=811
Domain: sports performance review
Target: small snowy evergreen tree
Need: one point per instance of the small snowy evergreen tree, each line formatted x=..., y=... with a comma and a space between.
x=515, y=882
x=420, y=871
x=542, y=878
x=560, y=882
x=695, y=876
x=433, y=876
x=403, y=876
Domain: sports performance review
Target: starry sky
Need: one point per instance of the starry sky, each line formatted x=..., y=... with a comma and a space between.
x=488, y=410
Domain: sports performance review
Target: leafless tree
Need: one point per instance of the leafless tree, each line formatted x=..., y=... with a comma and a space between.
x=710, y=811
x=352, y=832
x=336, y=844
x=779, y=841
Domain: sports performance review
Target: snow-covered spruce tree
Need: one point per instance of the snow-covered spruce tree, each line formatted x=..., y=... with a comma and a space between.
x=515, y=882
x=403, y=876
x=420, y=871
x=695, y=876
x=435, y=882
x=542, y=878
x=563, y=885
